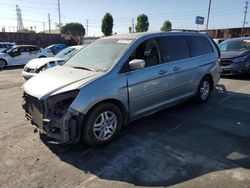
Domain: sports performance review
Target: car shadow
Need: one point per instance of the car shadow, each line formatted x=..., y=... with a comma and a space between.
x=172, y=146
x=12, y=67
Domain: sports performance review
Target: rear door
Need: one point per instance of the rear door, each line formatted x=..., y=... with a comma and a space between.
x=203, y=57
x=147, y=87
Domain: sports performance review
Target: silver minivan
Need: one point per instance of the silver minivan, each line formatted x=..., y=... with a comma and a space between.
x=118, y=79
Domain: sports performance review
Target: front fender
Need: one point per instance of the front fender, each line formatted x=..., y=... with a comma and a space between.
x=104, y=88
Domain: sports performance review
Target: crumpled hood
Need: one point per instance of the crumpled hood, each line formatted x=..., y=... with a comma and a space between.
x=57, y=80
x=39, y=62
x=232, y=54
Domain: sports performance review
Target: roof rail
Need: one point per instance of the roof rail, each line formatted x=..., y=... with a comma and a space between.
x=183, y=30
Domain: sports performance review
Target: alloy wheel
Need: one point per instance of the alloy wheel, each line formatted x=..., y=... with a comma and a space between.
x=204, y=90
x=105, y=125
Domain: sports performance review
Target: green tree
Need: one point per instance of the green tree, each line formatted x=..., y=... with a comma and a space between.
x=166, y=25
x=76, y=30
x=142, y=23
x=107, y=24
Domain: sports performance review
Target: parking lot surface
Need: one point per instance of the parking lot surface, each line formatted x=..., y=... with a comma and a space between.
x=189, y=145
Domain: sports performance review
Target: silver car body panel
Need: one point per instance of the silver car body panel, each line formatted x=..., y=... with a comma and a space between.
x=140, y=92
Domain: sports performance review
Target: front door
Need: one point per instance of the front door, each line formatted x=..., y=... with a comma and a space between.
x=147, y=87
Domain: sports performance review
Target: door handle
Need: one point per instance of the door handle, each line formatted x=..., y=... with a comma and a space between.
x=162, y=72
x=176, y=68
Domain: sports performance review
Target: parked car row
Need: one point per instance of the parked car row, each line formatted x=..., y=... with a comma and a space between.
x=11, y=54
x=118, y=79
x=21, y=54
x=35, y=66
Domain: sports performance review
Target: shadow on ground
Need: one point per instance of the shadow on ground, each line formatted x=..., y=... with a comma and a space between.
x=12, y=67
x=172, y=146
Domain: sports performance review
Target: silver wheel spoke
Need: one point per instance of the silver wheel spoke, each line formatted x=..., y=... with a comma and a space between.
x=105, y=125
x=204, y=90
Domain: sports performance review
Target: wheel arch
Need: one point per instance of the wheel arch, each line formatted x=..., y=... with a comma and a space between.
x=6, y=63
x=116, y=102
x=208, y=75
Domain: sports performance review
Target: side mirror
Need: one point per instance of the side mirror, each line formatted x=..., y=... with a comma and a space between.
x=136, y=64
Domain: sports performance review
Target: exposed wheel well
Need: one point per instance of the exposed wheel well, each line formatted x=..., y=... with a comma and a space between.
x=118, y=104
x=42, y=56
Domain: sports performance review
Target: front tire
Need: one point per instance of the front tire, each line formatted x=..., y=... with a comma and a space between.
x=204, y=90
x=102, y=124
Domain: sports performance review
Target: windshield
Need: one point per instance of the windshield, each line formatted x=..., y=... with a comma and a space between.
x=8, y=49
x=67, y=53
x=100, y=55
x=234, y=45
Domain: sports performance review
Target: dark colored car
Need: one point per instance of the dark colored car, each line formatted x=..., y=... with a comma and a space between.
x=235, y=56
x=55, y=48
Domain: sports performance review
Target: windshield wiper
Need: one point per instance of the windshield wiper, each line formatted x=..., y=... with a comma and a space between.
x=83, y=68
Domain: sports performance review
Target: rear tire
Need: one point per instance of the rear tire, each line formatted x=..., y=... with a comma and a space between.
x=3, y=63
x=204, y=90
x=102, y=124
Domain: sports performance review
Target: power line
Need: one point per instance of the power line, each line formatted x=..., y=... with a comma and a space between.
x=28, y=1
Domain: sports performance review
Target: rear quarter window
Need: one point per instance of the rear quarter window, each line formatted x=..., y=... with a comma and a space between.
x=199, y=45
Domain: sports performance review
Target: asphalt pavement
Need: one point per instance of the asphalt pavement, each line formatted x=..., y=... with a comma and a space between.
x=189, y=145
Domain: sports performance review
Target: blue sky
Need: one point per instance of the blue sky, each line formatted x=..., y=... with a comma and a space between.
x=224, y=13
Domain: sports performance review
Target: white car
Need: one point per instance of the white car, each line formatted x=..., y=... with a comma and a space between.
x=34, y=66
x=6, y=45
x=21, y=54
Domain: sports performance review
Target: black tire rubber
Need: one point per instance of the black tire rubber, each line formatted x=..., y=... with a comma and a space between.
x=198, y=98
x=87, y=131
x=42, y=56
x=4, y=65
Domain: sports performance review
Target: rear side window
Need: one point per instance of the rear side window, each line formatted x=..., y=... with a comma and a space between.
x=174, y=48
x=199, y=45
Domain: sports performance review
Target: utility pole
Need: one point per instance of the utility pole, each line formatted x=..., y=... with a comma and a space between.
x=44, y=27
x=59, y=14
x=87, y=27
x=245, y=15
x=49, y=22
x=208, y=13
x=133, y=25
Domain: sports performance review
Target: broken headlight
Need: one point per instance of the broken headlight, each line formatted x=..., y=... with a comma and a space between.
x=59, y=104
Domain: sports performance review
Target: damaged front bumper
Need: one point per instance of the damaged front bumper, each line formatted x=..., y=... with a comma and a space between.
x=65, y=130
x=63, y=125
